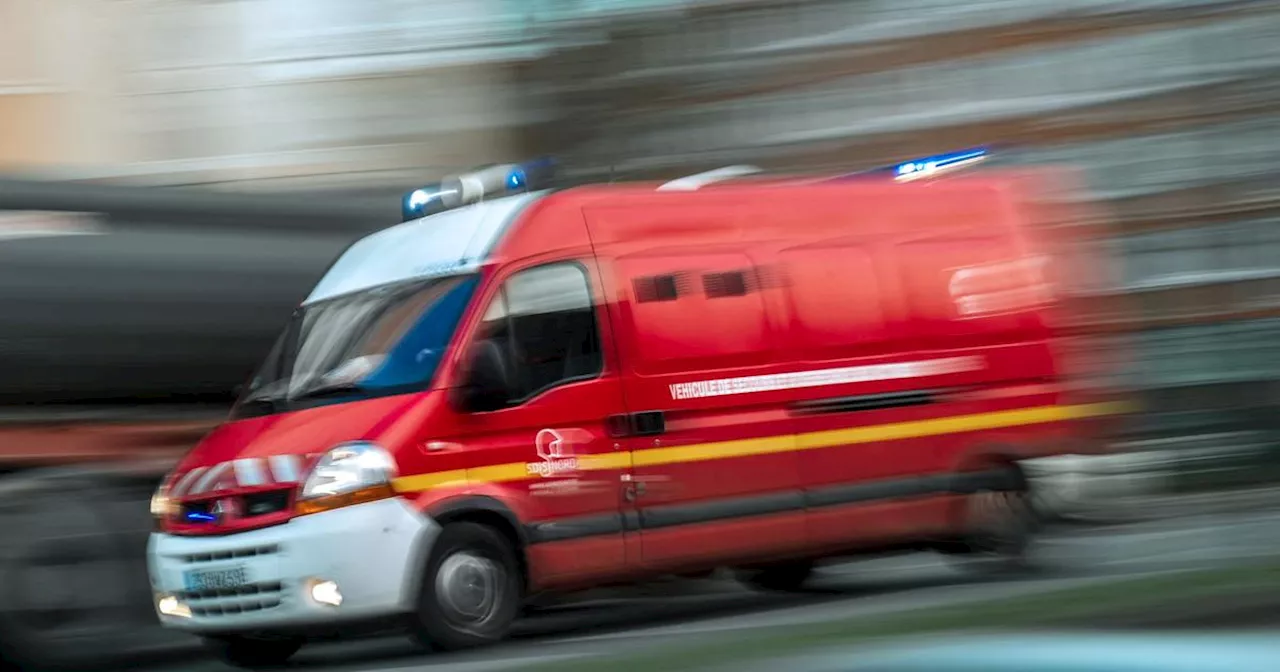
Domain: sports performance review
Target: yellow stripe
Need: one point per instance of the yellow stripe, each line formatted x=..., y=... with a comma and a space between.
x=775, y=444
x=433, y=480
x=498, y=473
x=501, y=473
x=952, y=425
x=606, y=461
x=713, y=451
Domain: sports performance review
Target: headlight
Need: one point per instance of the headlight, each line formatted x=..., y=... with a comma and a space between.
x=162, y=507
x=352, y=473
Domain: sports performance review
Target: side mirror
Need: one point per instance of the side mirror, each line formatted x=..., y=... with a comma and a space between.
x=487, y=385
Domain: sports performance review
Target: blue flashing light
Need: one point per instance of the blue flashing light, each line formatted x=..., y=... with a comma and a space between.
x=421, y=202
x=535, y=174
x=418, y=198
x=198, y=517
x=929, y=165
x=923, y=167
x=516, y=179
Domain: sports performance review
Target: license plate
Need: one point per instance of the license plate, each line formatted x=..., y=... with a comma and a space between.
x=216, y=579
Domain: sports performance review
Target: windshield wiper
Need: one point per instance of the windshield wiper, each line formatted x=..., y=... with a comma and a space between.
x=269, y=405
x=328, y=390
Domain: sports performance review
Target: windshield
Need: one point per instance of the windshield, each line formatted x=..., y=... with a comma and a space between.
x=375, y=342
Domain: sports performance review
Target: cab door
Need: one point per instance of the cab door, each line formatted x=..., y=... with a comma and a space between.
x=548, y=449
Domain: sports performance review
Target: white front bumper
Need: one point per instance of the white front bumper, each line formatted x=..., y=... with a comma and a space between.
x=373, y=551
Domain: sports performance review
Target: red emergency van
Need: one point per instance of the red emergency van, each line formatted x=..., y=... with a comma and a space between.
x=547, y=390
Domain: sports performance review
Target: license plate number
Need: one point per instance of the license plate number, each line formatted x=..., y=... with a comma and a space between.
x=216, y=579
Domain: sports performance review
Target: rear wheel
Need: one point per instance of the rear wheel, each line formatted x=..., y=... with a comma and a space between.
x=252, y=653
x=783, y=577
x=471, y=591
x=999, y=528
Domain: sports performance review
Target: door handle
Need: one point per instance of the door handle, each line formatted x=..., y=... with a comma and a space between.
x=637, y=487
x=440, y=446
x=646, y=423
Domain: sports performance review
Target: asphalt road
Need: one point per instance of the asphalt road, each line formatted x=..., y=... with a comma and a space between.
x=666, y=613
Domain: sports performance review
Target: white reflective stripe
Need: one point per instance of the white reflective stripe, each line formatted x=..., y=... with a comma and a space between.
x=284, y=468
x=249, y=472
x=210, y=478
x=823, y=377
x=180, y=488
x=693, y=182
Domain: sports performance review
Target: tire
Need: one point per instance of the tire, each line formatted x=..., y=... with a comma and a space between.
x=252, y=653
x=785, y=577
x=999, y=529
x=471, y=589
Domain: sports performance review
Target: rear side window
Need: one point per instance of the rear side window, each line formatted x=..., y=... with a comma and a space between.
x=657, y=288
x=696, y=312
x=545, y=320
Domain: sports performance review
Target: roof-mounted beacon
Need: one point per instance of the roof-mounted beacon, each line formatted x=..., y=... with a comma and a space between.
x=488, y=182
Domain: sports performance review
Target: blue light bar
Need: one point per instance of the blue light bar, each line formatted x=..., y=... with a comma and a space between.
x=490, y=182
x=421, y=202
x=932, y=165
x=923, y=167
x=535, y=174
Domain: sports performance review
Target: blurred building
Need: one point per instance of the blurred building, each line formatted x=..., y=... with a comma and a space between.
x=266, y=94
x=1169, y=105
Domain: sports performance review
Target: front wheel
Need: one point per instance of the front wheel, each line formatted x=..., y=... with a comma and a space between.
x=471, y=589
x=252, y=653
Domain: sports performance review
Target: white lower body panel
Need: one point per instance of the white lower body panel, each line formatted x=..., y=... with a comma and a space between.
x=261, y=580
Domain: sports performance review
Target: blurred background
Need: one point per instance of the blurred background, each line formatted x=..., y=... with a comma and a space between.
x=176, y=174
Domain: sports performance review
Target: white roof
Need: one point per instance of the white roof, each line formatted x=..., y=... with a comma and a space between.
x=447, y=243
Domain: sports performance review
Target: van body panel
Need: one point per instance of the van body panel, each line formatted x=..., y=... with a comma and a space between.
x=889, y=361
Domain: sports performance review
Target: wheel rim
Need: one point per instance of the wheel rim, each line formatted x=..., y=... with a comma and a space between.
x=470, y=589
x=997, y=520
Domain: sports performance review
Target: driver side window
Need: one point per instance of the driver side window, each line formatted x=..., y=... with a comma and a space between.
x=544, y=324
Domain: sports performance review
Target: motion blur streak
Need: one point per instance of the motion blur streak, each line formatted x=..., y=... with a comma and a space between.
x=177, y=175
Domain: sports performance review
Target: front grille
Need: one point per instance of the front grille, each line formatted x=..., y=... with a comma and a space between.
x=263, y=503
x=233, y=601
x=229, y=601
x=217, y=556
x=248, y=506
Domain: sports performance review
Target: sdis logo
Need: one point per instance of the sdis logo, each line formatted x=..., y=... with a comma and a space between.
x=556, y=452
